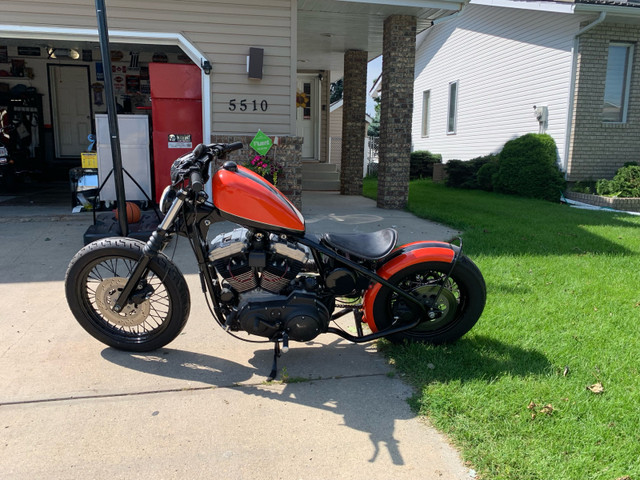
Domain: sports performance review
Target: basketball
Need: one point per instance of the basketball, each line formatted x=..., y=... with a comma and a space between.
x=133, y=213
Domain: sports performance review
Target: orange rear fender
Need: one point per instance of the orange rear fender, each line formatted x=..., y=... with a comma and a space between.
x=404, y=257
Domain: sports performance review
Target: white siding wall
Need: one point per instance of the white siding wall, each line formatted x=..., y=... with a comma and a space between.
x=505, y=61
x=223, y=30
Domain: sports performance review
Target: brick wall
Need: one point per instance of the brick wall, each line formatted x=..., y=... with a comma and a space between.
x=354, y=97
x=287, y=152
x=396, y=110
x=625, y=204
x=598, y=149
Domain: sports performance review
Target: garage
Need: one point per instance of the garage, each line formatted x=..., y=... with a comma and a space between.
x=52, y=105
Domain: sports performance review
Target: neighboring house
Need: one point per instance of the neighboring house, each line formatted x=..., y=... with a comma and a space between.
x=480, y=74
x=335, y=134
x=297, y=48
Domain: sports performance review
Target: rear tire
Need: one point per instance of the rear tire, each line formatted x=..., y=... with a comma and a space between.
x=98, y=273
x=461, y=301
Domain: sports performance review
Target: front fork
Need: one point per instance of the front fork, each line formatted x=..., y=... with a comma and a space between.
x=150, y=251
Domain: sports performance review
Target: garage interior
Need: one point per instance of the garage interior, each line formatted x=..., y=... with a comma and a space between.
x=51, y=93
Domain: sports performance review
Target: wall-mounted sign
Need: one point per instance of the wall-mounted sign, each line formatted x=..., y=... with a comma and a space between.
x=118, y=84
x=29, y=51
x=97, y=93
x=180, y=140
x=133, y=84
x=160, y=57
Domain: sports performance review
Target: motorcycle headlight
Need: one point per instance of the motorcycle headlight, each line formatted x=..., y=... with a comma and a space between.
x=167, y=198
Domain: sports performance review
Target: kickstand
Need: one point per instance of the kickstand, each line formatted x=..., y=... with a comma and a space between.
x=274, y=367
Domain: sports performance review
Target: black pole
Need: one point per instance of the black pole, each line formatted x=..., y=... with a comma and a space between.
x=112, y=113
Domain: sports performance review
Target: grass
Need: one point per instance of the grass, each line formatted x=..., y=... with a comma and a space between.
x=562, y=314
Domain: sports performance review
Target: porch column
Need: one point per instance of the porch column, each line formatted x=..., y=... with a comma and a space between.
x=396, y=110
x=354, y=109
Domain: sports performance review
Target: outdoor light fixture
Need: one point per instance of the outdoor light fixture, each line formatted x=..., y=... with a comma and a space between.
x=206, y=67
x=254, y=63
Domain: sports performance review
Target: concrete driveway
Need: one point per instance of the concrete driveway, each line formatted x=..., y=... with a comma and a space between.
x=199, y=408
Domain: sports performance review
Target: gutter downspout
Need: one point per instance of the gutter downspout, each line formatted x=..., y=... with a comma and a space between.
x=572, y=86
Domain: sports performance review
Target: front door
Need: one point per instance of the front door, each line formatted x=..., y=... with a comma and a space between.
x=71, y=108
x=306, y=114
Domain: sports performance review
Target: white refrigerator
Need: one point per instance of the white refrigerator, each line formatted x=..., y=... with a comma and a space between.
x=136, y=160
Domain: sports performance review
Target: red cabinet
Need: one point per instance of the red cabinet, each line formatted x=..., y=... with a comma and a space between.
x=176, y=112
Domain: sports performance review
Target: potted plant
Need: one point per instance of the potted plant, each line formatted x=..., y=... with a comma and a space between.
x=266, y=167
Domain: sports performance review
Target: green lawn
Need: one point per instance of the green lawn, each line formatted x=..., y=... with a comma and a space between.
x=562, y=314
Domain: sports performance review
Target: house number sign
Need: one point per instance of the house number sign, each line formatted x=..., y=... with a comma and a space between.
x=244, y=105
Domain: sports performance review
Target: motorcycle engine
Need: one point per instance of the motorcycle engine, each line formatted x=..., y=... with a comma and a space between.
x=261, y=290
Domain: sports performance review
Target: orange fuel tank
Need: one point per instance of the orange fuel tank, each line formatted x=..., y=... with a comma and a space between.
x=244, y=197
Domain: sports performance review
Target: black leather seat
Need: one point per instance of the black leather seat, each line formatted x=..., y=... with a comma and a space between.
x=370, y=246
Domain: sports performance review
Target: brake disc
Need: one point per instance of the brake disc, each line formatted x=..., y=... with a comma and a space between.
x=106, y=295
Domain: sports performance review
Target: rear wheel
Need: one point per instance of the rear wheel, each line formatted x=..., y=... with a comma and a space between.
x=97, y=275
x=459, y=305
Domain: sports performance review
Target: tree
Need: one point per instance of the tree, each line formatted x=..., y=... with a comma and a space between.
x=336, y=91
x=374, y=126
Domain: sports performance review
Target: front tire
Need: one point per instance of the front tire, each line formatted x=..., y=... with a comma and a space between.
x=460, y=303
x=94, y=279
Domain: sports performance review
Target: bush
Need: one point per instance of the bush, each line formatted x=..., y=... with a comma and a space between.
x=464, y=174
x=584, y=186
x=625, y=184
x=421, y=164
x=485, y=174
x=528, y=167
x=372, y=170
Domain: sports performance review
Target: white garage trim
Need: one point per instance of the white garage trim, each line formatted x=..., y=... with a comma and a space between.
x=123, y=36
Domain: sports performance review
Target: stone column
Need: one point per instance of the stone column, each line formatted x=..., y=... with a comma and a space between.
x=396, y=110
x=354, y=109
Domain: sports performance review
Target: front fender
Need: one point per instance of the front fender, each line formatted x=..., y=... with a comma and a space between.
x=406, y=256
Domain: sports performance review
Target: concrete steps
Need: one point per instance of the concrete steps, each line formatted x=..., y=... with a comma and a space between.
x=320, y=176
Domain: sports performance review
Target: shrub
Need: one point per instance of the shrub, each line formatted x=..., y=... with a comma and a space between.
x=528, y=167
x=372, y=170
x=626, y=183
x=485, y=174
x=463, y=174
x=421, y=164
x=584, y=186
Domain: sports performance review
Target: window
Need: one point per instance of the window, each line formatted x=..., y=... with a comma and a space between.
x=453, y=107
x=616, y=88
x=426, y=97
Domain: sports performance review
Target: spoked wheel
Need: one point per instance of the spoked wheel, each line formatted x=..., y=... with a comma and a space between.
x=160, y=304
x=459, y=301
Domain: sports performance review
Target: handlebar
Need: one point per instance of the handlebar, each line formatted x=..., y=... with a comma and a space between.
x=194, y=166
x=219, y=149
x=195, y=180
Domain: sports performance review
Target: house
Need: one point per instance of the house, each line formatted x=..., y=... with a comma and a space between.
x=255, y=60
x=335, y=134
x=501, y=69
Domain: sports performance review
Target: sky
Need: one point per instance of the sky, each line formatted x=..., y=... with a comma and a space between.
x=373, y=71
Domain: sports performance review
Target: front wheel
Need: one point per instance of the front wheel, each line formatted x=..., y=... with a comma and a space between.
x=458, y=307
x=160, y=307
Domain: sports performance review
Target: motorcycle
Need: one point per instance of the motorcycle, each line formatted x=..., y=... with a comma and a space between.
x=267, y=278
